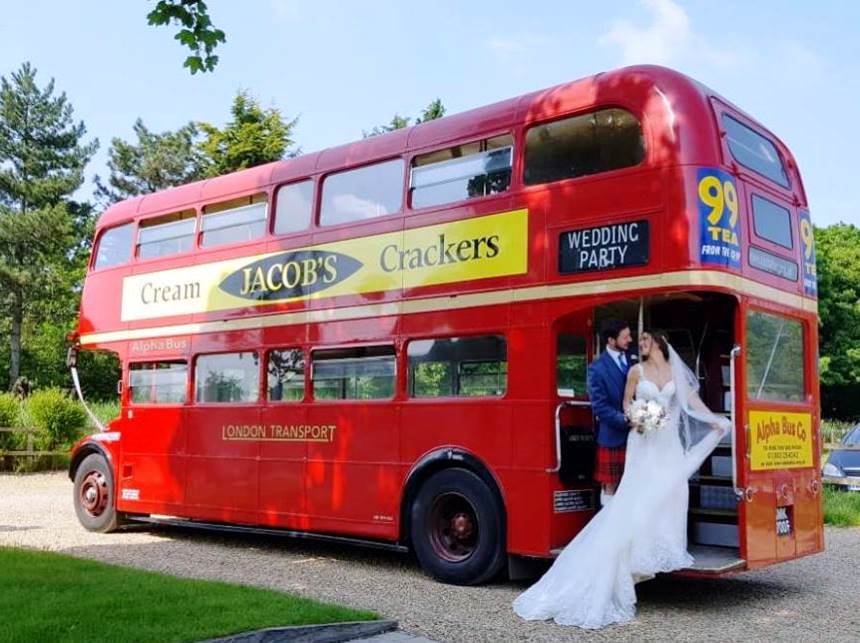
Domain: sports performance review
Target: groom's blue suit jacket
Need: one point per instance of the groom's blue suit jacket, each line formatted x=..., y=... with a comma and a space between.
x=606, y=382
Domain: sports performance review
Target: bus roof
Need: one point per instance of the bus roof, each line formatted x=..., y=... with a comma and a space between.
x=659, y=93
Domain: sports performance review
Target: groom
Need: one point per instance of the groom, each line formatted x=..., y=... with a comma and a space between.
x=607, y=378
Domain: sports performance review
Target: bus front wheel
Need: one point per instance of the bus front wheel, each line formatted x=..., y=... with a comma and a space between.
x=94, y=490
x=456, y=529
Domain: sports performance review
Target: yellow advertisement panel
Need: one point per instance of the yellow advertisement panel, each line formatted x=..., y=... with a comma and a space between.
x=780, y=440
x=490, y=246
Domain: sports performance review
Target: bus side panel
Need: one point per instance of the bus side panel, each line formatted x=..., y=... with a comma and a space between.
x=222, y=470
x=478, y=425
x=151, y=472
x=353, y=481
x=527, y=486
x=283, y=469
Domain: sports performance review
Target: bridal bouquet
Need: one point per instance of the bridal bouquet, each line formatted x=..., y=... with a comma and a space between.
x=647, y=416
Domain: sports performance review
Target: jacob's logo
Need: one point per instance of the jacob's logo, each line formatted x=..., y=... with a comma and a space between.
x=289, y=275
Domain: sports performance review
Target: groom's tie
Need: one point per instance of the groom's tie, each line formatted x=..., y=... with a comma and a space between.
x=621, y=363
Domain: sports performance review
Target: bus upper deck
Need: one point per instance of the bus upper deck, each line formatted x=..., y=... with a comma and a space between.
x=580, y=178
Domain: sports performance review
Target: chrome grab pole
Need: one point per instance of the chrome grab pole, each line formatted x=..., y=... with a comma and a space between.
x=736, y=350
x=72, y=363
x=558, y=409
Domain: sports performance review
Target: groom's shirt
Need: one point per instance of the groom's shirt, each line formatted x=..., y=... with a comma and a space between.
x=616, y=355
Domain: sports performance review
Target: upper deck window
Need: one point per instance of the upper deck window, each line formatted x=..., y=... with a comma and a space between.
x=114, y=246
x=363, y=193
x=462, y=172
x=771, y=221
x=293, y=207
x=608, y=139
x=752, y=150
x=233, y=221
x=166, y=235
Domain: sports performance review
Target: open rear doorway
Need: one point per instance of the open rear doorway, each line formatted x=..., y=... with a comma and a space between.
x=701, y=328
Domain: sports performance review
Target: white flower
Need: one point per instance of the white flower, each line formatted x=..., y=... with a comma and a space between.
x=647, y=416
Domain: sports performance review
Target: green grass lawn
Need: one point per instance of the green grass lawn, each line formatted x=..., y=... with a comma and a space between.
x=50, y=597
x=841, y=508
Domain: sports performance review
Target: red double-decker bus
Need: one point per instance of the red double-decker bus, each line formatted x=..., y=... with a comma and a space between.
x=386, y=342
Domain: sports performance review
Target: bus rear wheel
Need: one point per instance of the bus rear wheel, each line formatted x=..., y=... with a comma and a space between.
x=94, y=491
x=456, y=528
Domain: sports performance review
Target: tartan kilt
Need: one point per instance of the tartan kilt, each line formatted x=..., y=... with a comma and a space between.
x=609, y=464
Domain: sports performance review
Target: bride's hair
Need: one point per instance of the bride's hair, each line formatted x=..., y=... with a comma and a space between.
x=659, y=338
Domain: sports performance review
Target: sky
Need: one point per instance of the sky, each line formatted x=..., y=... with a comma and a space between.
x=344, y=67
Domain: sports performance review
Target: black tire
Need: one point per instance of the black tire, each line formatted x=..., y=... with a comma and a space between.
x=94, y=500
x=457, y=529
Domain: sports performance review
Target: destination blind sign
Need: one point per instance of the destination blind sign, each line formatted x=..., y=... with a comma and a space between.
x=615, y=245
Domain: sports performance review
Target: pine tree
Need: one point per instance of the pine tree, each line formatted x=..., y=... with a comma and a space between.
x=435, y=109
x=254, y=136
x=155, y=162
x=42, y=160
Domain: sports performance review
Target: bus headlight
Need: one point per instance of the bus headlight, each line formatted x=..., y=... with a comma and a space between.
x=833, y=470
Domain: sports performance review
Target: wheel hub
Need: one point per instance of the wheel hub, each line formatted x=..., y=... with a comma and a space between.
x=461, y=525
x=94, y=493
x=453, y=527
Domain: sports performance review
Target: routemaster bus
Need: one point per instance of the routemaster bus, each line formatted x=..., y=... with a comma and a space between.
x=386, y=342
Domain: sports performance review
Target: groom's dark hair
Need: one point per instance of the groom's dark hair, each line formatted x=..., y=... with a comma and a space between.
x=612, y=328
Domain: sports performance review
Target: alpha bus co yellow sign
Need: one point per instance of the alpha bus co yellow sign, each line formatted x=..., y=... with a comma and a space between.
x=780, y=440
x=489, y=246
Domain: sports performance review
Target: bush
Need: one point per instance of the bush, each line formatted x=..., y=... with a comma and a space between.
x=105, y=411
x=58, y=418
x=8, y=418
x=8, y=410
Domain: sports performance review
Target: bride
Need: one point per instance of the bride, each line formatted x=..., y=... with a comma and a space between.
x=643, y=529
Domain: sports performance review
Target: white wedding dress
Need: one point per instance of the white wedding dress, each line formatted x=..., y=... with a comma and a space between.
x=641, y=532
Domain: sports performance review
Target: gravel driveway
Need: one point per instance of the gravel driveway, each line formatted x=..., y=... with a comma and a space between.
x=812, y=599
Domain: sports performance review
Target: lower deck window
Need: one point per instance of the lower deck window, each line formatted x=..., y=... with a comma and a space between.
x=286, y=375
x=157, y=382
x=365, y=373
x=228, y=377
x=774, y=358
x=458, y=367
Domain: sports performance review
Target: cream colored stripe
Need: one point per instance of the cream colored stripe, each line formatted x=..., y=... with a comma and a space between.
x=690, y=278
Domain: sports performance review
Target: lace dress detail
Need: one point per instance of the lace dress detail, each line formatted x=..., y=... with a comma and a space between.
x=640, y=533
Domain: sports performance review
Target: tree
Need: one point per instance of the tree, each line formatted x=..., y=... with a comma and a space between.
x=435, y=109
x=254, y=136
x=42, y=156
x=197, y=31
x=155, y=162
x=838, y=254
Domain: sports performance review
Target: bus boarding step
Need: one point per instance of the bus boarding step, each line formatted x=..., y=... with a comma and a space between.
x=709, y=559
